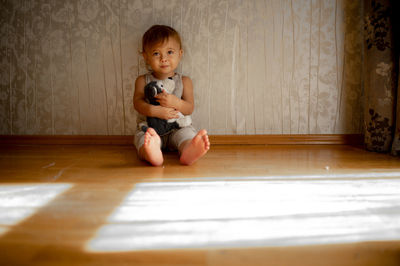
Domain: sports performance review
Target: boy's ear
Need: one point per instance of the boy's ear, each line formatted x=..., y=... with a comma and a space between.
x=144, y=56
x=180, y=53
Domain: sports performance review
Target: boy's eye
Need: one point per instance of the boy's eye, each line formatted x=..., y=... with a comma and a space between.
x=156, y=54
x=171, y=52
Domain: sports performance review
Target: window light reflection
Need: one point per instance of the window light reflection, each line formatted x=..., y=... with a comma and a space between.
x=252, y=213
x=17, y=202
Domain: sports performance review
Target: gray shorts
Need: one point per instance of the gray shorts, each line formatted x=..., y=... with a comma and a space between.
x=172, y=141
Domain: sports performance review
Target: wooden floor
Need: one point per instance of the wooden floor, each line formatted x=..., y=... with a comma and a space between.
x=239, y=205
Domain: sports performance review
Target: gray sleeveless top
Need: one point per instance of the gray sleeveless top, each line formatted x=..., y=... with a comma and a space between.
x=178, y=91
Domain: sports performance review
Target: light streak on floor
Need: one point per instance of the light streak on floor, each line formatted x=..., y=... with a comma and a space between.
x=18, y=202
x=168, y=215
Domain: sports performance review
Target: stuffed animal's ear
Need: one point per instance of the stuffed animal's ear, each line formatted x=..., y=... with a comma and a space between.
x=160, y=87
x=150, y=90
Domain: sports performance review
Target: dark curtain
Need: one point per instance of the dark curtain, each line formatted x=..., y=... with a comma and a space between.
x=381, y=76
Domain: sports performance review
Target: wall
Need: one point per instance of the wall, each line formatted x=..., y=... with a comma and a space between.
x=258, y=67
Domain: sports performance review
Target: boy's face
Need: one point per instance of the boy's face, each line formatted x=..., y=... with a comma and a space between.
x=164, y=58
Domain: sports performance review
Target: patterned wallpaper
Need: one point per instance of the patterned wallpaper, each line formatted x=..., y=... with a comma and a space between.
x=258, y=66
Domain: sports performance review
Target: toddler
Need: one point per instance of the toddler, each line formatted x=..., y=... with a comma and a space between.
x=162, y=51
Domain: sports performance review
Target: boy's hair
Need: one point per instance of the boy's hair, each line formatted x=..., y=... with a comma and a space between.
x=158, y=34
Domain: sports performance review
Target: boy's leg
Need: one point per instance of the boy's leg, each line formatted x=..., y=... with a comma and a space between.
x=194, y=149
x=191, y=145
x=149, y=147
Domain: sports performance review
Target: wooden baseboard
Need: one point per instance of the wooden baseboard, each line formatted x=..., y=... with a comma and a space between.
x=67, y=140
x=338, y=139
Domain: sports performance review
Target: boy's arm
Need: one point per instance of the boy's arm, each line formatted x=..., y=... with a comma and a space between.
x=184, y=105
x=147, y=109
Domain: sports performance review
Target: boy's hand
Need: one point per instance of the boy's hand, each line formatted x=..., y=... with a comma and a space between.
x=167, y=113
x=167, y=100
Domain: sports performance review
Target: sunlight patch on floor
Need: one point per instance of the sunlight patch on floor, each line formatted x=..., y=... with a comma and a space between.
x=18, y=202
x=167, y=215
x=329, y=174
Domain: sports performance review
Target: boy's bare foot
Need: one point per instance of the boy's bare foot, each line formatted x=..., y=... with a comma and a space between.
x=151, y=151
x=194, y=149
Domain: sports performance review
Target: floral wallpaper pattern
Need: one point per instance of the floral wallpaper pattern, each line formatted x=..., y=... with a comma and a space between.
x=380, y=76
x=258, y=67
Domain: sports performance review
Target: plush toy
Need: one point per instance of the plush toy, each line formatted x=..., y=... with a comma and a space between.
x=162, y=126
